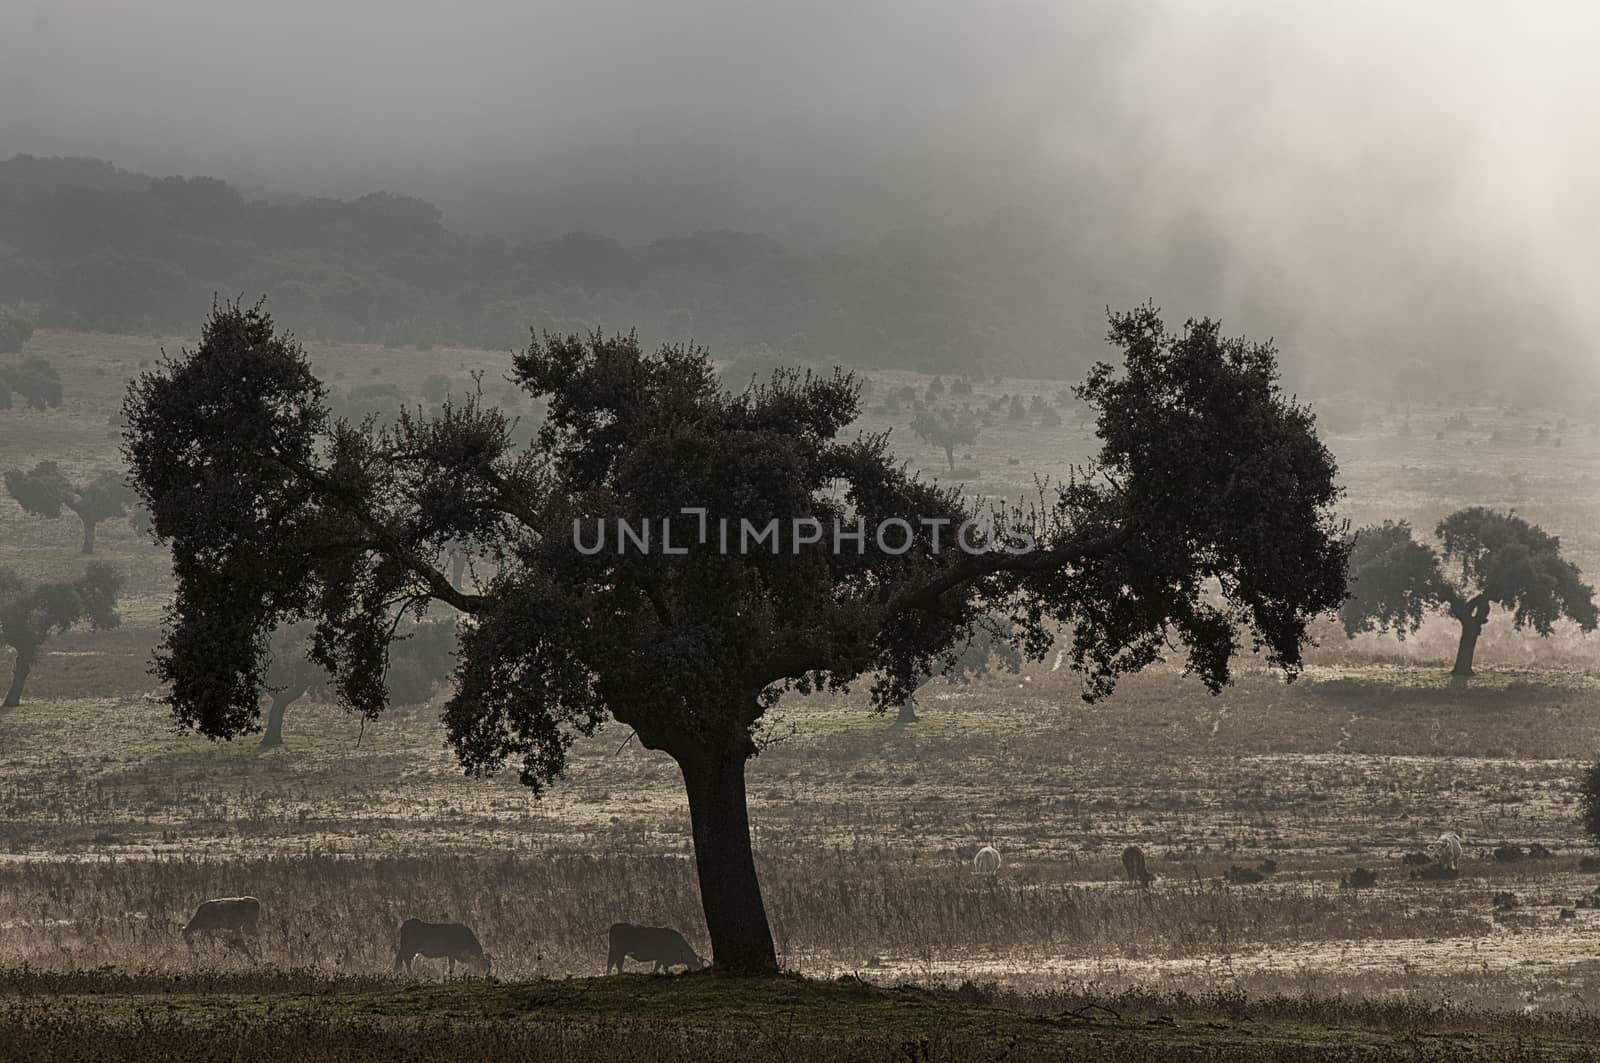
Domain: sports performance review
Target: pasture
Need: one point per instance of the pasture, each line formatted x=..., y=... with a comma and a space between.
x=113, y=826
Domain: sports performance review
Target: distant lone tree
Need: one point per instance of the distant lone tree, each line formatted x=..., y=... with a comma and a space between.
x=419, y=659
x=989, y=641
x=1207, y=523
x=1487, y=559
x=946, y=430
x=15, y=330
x=1589, y=801
x=31, y=612
x=35, y=379
x=44, y=491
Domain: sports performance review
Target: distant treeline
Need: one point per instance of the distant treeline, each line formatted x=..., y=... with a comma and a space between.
x=92, y=247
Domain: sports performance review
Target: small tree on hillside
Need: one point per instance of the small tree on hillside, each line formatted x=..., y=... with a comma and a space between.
x=991, y=641
x=420, y=658
x=15, y=330
x=35, y=379
x=44, y=491
x=1488, y=559
x=1211, y=528
x=946, y=430
x=31, y=612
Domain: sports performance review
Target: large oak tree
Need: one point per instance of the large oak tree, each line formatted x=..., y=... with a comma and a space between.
x=1207, y=523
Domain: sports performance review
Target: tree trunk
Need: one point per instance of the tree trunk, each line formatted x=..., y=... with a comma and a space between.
x=1471, y=628
x=730, y=893
x=19, y=676
x=458, y=568
x=908, y=712
x=88, y=536
x=272, y=738
x=950, y=456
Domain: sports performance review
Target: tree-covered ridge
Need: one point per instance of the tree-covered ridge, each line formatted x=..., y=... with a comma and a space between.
x=93, y=247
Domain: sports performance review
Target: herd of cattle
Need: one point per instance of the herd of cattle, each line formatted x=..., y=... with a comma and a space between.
x=237, y=920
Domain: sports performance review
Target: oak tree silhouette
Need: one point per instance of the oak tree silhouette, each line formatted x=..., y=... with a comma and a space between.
x=1207, y=521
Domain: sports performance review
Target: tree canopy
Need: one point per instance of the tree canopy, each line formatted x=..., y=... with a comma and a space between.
x=1486, y=559
x=32, y=612
x=1207, y=520
x=420, y=657
x=44, y=491
x=947, y=430
x=33, y=378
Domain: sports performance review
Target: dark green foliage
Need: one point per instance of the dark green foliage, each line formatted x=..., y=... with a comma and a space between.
x=44, y=491
x=1488, y=559
x=1589, y=807
x=990, y=643
x=420, y=657
x=1394, y=581
x=35, y=379
x=15, y=330
x=32, y=612
x=1209, y=478
x=947, y=430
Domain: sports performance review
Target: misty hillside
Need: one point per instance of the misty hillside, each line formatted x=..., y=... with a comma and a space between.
x=102, y=249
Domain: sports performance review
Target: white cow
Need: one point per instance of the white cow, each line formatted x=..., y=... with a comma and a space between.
x=987, y=862
x=1447, y=850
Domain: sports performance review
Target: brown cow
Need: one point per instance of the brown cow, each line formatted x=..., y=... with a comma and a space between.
x=234, y=918
x=660, y=945
x=447, y=941
x=1133, y=864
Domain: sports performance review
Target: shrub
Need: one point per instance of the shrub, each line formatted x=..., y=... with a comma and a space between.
x=15, y=330
x=1358, y=879
x=1589, y=800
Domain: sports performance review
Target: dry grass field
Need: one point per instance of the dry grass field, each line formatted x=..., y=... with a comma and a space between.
x=112, y=826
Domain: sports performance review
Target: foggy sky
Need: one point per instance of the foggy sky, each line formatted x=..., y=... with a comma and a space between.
x=1414, y=174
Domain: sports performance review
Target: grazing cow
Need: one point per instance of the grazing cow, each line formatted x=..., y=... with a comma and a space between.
x=446, y=941
x=1447, y=850
x=660, y=945
x=235, y=918
x=987, y=862
x=1133, y=865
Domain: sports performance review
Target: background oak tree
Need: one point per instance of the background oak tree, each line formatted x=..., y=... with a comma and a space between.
x=1486, y=559
x=947, y=430
x=420, y=658
x=989, y=645
x=1207, y=523
x=44, y=491
x=32, y=612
